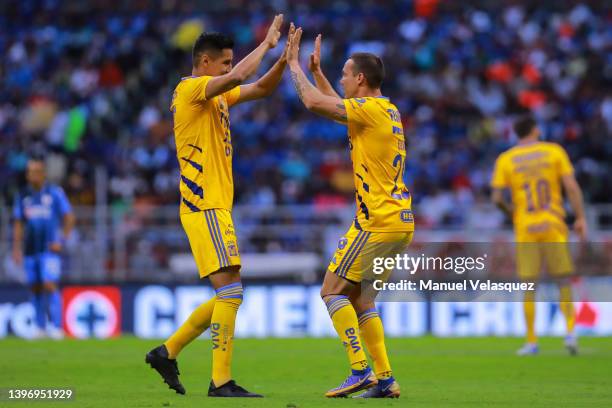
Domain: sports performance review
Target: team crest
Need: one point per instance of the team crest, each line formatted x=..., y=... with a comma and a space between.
x=342, y=243
x=232, y=249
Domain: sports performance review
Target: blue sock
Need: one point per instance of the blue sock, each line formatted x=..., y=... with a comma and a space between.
x=384, y=382
x=361, y=373
x=39, y=310
x=54, y=303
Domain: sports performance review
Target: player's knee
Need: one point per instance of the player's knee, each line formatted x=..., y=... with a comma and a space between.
x=231, y=293
x=362, y=305
x=326, y=294
x=331, y=286
x=323, y=294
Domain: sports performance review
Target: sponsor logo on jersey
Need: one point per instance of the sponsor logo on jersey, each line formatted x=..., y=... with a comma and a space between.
x=37, y=211
x=406, y=216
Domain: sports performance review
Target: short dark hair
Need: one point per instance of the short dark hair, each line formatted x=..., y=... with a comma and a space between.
x=523, y=126
x=37, y=156
x=210, y=42
x=371, y=66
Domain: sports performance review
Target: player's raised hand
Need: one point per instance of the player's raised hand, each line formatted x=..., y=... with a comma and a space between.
x=274, y=33
x=293, y=52
x=289, y=35
x=314, y=64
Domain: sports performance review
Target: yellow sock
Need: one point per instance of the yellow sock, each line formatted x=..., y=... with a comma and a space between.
x=529, y=309
x=222, y=325
x=371, y=329
x=195, y=325
x=567, y=307
x=345, y=322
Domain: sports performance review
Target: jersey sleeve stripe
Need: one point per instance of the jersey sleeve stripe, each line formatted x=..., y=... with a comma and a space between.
x=193, y=164
x=190, y=205
x=195, y=189
x=199, y=149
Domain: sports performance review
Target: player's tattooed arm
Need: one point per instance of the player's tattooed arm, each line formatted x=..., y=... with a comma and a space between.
x=312, y=98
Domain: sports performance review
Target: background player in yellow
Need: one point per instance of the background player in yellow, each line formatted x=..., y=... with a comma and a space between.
x=203, y=144
x=535, y=172
x=383, y=224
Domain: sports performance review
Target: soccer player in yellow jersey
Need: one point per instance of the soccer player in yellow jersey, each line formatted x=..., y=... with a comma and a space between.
x=200, y=106
x=383, y=225
x=535, y=173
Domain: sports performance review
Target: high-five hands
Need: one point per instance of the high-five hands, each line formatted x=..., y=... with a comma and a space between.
x=291, y=32
x=314, y=64
x=293, y=51
x=274, y=33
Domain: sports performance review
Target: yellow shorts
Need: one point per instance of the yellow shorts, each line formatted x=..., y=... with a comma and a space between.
x=353, y=259
x=549, y=247
x=212, y=239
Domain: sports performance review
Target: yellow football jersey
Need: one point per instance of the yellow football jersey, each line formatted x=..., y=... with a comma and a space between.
x=533, y=174
x=203, y=145
x=378, y=153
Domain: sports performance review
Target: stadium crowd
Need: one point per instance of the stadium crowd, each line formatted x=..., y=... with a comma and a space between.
x=88, y=84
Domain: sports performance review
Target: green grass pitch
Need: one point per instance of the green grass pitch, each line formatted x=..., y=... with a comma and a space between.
x=433, y=372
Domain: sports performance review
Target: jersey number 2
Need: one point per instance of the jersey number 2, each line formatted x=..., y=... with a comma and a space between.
x=396, y=192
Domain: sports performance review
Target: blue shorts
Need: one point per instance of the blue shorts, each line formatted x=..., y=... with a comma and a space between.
x=45, y=267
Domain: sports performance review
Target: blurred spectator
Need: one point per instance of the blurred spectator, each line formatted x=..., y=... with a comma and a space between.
x=91, y=87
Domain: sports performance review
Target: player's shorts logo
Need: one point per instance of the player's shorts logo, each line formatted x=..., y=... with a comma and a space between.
x=232, y=249
x=342, y=243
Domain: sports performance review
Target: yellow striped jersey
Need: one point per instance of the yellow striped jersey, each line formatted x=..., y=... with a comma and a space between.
x=378, y=153
x=533, y=174
x=203, y=145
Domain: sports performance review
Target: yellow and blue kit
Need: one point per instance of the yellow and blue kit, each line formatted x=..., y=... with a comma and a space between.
x=384, y=222
x=204, y=152
x=533, y=173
